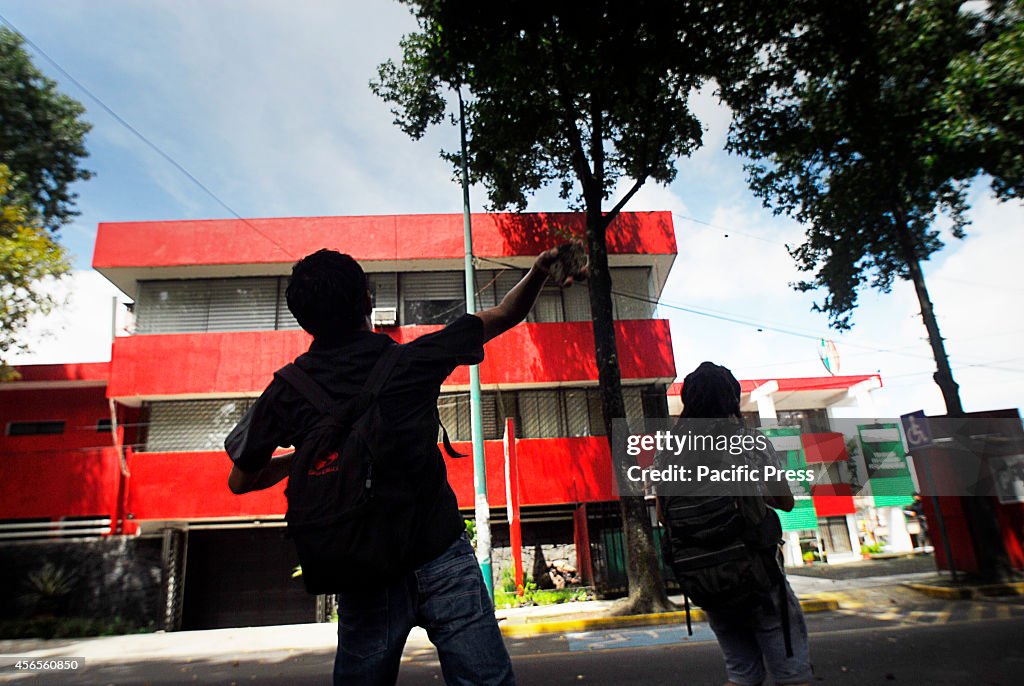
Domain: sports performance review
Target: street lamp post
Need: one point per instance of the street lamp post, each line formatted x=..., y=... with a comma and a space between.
x=482, y=508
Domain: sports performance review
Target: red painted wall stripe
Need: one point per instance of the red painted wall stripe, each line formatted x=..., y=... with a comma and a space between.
x=808, y=383
x=243, y=362
x=75, y=483
x=384, y=237
x=194, y=485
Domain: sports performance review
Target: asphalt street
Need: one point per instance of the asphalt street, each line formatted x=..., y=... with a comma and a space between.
x=882, y=642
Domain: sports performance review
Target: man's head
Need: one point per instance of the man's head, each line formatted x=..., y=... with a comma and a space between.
x=710, y=391
x=327, y=294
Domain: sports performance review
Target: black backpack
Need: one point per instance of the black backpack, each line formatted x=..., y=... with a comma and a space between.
x=723, y=548
x=348, y=532
x=724, y=552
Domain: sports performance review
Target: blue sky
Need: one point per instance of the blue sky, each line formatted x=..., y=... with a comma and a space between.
x=267, y=103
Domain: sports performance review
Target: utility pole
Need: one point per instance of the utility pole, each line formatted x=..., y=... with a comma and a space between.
x=482, y=507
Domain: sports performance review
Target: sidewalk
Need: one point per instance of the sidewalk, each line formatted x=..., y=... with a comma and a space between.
x=816, y=595
x=277, y=643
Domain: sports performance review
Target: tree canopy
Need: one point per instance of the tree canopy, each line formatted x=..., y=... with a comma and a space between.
x=28, y=256
x=865, y=121
x=983, y=99
x=583, y=96
x=575, y=95
x=42, y=137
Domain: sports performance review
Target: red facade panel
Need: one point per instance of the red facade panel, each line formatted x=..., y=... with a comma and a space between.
x=194, y=485
x=824, y=447
x=384, y=237
x=74, y=473
x=812, y=383
x=243, y=362
x=81, y=410
x=56, y=484
x=95, y=372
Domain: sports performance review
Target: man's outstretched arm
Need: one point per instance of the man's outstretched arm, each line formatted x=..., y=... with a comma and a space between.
x=240, y=481
x=514, y=307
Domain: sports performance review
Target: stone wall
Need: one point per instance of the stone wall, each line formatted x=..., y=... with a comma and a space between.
x=108, y=578
x=501, y=558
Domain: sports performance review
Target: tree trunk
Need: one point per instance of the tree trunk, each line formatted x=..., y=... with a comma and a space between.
x=646, y=586
x=944, y=374
x=979, y=511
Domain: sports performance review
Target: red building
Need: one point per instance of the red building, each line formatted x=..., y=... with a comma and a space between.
x=211, y=327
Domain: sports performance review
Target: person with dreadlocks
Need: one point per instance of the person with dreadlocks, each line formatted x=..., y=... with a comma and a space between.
x=724, y=540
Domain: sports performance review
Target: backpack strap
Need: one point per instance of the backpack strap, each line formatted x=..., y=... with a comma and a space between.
x=787, y=632
x=381, y=371
x=307, y=387
x=315, y=394
x=686, y=605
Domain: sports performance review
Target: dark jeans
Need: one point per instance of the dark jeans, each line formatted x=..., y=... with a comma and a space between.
x=750, y=639
x=447, y=597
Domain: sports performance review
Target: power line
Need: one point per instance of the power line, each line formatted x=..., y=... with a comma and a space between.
x=747, y=321
x=728, y=232
x=138, y=134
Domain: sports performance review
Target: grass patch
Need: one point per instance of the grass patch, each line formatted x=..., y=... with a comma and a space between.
x=508, y=599
x=68, y=627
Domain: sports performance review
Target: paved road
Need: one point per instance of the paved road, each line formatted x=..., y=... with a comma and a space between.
x=892, y=638
x=865, y=568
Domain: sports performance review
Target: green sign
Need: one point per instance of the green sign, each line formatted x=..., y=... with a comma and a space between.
x=786, y=441
x=888, y=473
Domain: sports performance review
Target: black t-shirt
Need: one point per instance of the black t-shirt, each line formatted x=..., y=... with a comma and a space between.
x=408, y=399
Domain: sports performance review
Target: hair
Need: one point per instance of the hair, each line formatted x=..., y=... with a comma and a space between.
x=327, y=293
x=710, y=391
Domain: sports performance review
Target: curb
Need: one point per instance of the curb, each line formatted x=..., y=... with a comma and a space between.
x=557, y=626
x=967, y=592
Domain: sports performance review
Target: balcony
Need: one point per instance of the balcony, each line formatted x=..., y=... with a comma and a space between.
x=167, y=486
x=239, y=363
x=60, y=483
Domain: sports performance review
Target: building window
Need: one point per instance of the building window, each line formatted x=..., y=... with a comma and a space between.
x=453, y=410
x=200, y=305
x=35, y=428
x=542, y=414
x=570, y=412
x=835, y=535
x=631, y=293
x=192, y=425
x=431, y=297
x=809, y=421
x=202, y=425
x=437, y=297
x=751, y=420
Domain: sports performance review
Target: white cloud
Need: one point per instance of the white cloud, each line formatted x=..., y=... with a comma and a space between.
x=269, y=107
x=80, y=330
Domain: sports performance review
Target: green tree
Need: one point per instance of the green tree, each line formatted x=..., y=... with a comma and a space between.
x=865, y=121
x=28, y=257
x=584, y=96
x=42, y=137
x=841, y=117
x=983, y=100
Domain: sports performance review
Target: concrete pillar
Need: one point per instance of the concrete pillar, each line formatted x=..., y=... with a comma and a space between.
x=899, y=539
x=791, y=551
x=762, y=396
x=861, y=395
x=851, y=525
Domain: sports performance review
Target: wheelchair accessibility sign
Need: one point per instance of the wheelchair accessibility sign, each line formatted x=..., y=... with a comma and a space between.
x=915, y=427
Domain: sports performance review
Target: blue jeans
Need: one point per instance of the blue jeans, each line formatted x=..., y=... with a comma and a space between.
x=750, y=639
x=447, y=597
